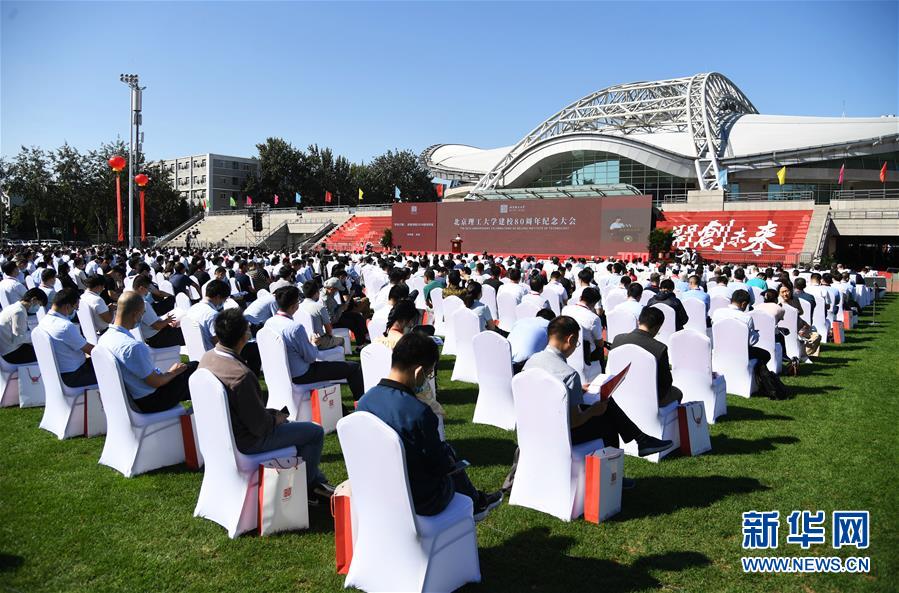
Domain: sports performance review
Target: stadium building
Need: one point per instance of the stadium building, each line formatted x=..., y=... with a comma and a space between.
x=731, y=182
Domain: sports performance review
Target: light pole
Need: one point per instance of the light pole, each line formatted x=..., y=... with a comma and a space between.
x=135, y=144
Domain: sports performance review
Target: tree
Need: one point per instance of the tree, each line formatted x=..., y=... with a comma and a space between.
x=29, y=179
x=281, y=171
x=402, y=169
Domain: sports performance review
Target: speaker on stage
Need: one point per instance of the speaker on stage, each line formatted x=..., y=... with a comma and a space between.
x=257, y=222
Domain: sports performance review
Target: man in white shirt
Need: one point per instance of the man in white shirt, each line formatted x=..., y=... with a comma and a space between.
x=721, y=288
x=555, y=285
x=632, y=304
x=11, y=290
x=584, y=312
x=15, y=335
x=100, y=311
x=513, y=286
x=535, y=295
x=69, y=346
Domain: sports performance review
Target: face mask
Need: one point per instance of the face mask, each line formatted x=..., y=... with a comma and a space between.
x=33, y=309
x=148, y=298
x=72, y=315
x=219, y=307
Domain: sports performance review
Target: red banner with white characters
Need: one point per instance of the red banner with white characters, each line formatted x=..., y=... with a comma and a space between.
x=741, y=235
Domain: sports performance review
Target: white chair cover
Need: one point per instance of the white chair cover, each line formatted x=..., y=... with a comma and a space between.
x=730, y=356
x=718, y=302
x=64, y=406
x=551, y=471
x=376, y=327
x=439, y=321
x=488, y=297
x=690, y=354
x=375, y=359
x=86, y=321
x=806, y=311
x=229, y=493
x=696, y=318
x=166, y=286
x=182, y=301
x=552, y=297
x=505, y=309
x=637, y=396
x=493, y=362
x=765, y=324
x=819, y=317
x=619, y=322
x=613, y=300
x=791, y=323
x=393, y=548
x=668, y=326
x=450, y=306
x=135, y=442
x=465, y=327
x=525, y=310
x=193, y=338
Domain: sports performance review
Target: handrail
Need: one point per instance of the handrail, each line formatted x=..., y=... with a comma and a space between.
x=763, y=196
x=181, y=228
x=317, y=236
x=866, y=194
x=822, y=240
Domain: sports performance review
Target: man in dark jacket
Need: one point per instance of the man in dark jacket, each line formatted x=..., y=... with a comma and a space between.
x=644, y=336
x=666, y=296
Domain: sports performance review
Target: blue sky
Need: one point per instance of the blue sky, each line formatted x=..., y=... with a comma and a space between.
x=366, y=77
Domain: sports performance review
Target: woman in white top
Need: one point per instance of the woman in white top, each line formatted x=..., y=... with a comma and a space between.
x=15, y=335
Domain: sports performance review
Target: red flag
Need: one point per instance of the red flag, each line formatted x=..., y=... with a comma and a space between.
x=276, y=199
x=327, y=197
x=842, y=170
x=883, y=173
x=439, y=188
x=249, y=201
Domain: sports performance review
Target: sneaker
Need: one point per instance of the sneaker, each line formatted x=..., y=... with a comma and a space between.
x=648, y=445
x=628, y=483
x=488, y=502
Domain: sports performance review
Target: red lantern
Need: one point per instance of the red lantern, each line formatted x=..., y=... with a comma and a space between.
x=141, y=180
x=117, y=163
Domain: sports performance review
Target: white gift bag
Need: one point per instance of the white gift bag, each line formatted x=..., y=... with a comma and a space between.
x=10, y=384
x=31, y=386
x=604, y=475
x=694, y=430
x=327, y=408
x=283, y=502
x=94, y=415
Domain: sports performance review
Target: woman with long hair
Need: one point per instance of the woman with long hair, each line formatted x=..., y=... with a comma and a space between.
x=472, y=301
x=453, y=285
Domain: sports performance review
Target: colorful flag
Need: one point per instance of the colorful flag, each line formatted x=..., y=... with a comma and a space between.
x=360, y=194
x=782, y=175
x=722, y=178
x=327, y=197
x=842, y=171
x=439, y=188
x=396, y=193
x=203, y=204
x=883, y=173
x=276, y=199
x=249, y=201
x=233, y=202
x=298, y=197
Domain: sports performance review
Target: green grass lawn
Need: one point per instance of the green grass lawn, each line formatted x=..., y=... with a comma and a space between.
x=69, y=524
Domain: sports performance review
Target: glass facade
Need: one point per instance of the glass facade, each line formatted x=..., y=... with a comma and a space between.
x=588, y=167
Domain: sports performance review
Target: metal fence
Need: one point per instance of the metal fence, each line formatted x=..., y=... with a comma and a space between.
x=866, y=194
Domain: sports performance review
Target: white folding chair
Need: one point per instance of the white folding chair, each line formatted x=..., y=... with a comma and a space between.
x=86, y=321
x=135, y=442
x=450, y=305
x=229, y=494
x=696, y=317
x=637, y=396
x=730, y=356
x=668, y=326
x=465, y=327
x=375, y=359
x=505, y=309
x=619, y=321
x=717, y=302
x=552, y=297
x=182, y=301
x=193, y=338
x=439, y=321
x=765, y=324
x=493, y=362
x=282, y=391
x=525, y=310
x=64, y=413
x=551, y=473
x=613, y=299
x=393, y=548
x=690, y=354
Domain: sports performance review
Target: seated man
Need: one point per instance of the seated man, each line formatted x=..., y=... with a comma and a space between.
x=15, y=335
x=535, y=295
x=434, y=471
x=48, y=283
x=528, y=337
x=343, y=314
x=584, y=312
x=302, y=354
x=601, y=420
x=101, y=313
x=158, y=332
x=632, y=304
x=321, y=321
x=68, y=344
x=151, y=389
x=666, y=296
x=257, y=429
x=650, y=322
x=696, y=292
x=205, y=312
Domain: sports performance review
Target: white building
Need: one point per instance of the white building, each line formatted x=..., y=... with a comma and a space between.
x=212, y=177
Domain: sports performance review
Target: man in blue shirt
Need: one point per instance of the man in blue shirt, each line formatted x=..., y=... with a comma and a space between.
x=68, y=344
x=151, y=389
x=302, y=354
x=528, y=337
x=696, y=292
x=435, y=473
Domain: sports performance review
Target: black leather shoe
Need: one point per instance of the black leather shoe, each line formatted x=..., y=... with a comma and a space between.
x=648, y=445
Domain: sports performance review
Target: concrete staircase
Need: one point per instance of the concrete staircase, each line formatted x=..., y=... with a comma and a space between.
x=816, y=228
x=353, y=234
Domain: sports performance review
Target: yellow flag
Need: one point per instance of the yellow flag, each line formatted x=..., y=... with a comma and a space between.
x=782, y=175
x=360, y=194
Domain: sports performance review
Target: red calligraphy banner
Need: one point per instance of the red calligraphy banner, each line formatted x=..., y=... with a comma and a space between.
x=740, y=236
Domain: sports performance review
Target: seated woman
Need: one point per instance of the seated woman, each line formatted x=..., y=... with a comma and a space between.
x=15, y=335
x=471, y=298
x=397, y=293
x=453, y=285
x=811, y=340
x=402, y=319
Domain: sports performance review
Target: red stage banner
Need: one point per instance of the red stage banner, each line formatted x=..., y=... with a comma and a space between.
x=582, y=227
x=740, y=236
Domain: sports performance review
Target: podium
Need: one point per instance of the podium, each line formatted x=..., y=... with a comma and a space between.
x=456, y=246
